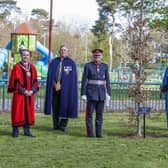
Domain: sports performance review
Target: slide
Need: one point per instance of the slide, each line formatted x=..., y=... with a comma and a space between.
x=42, y=63
x=44, y=52
x=3, y=57
x=3, y=63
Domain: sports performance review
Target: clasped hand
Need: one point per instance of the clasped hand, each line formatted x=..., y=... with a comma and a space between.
x=28, y=93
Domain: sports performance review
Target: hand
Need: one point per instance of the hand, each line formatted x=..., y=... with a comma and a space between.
x=84, y=97
x=107, y=101
x=107, y=97
x=28, y=93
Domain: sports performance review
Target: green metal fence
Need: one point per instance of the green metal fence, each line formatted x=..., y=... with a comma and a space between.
x=120, y=101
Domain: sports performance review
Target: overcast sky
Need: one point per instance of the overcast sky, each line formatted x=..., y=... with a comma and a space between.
x=76, y=11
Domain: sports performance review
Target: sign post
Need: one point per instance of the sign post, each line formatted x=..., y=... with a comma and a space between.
x=144, y=111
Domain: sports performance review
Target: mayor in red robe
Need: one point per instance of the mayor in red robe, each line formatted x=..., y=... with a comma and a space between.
x=23, y=84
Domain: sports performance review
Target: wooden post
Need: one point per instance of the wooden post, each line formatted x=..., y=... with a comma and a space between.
x=50, y=31
x=144, y=129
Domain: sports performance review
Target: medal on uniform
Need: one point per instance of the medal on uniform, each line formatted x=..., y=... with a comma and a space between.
x=97, y=69
x=67, y=69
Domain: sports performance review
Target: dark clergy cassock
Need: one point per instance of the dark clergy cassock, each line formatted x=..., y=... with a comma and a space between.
x=22, y=106
x=69, y=89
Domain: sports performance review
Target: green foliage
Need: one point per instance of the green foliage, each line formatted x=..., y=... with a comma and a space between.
x=8, y=2
x=155, y=11
x=40, y=12
x=6, y=6
x=118, y=148
x=99, y=28
x=107, y=9
x=102, y=43
x=161, y=19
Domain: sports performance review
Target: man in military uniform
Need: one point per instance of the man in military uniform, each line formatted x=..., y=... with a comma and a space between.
x=95, y=89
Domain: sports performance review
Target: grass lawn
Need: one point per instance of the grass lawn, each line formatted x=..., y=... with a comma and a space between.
x=119, y=148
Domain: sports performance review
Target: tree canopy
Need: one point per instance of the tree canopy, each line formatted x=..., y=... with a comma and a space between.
x=40, y=12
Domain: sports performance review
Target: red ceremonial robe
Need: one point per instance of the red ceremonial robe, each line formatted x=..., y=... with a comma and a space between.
x=22, y=110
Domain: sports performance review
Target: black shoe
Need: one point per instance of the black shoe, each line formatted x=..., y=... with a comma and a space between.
x=29, y=135
x=61, y=129
x=15, y=135
x=15, y=132
x=99, y=136
x=55, y=128
x=90, y=136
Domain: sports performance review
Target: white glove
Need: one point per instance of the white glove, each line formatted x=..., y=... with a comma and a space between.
x=107, y=97
x=107, y=102
x=84, y=97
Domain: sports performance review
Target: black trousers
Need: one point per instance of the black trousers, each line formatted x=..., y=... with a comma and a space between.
x=98, y=107
x=58, y=123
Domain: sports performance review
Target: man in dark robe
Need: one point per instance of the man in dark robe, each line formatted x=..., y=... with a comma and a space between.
x=23, y=84
x=61, y=90
x=164, y=89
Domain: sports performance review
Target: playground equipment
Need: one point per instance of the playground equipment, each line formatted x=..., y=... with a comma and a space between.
x=41, y=64
x=24, y=37
x=3, y=57
x=3, y=62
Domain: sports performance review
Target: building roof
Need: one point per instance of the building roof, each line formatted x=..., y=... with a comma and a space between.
x=24, y=28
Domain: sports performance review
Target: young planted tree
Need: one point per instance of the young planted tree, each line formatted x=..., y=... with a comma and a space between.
x=138, y=38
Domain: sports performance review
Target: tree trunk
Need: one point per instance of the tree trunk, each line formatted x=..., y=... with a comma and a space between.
x=110, y=51
x=138, y=121
x=111, y=43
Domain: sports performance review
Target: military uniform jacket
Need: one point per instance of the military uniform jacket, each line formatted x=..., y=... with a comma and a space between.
x=95, y=72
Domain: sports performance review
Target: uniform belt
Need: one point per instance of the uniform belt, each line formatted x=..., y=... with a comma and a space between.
x=97, y=82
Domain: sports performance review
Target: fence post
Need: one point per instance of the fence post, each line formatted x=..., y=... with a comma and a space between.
x=3, y=96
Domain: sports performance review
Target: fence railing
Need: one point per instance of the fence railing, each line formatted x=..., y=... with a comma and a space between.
x=120, y=101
